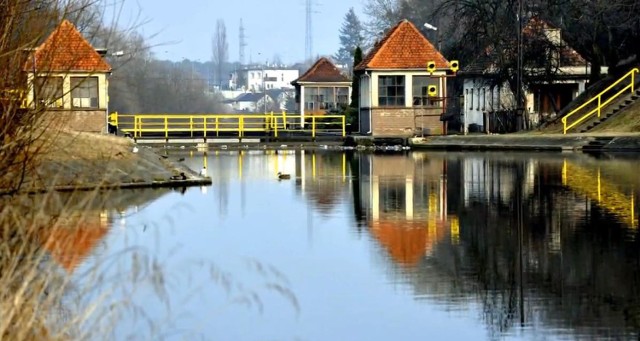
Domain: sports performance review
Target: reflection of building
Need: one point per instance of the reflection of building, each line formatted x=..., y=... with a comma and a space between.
x=74, y=237
x=321, y=177
x=73, y=227
x=404, y=201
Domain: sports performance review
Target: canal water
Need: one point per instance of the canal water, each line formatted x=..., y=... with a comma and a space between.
x=357, y=246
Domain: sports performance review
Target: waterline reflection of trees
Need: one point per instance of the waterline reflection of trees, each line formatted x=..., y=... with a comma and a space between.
x=562, y=262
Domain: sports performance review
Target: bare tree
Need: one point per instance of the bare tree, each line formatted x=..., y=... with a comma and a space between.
x=382, y=14
x=220, y=50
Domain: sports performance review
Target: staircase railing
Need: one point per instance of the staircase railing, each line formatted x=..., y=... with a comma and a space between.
x=605, y=194
x=630, y=76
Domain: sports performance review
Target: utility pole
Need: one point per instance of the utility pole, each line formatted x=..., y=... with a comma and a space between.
x=243, y=42
x=308, y=43
x=519, y=101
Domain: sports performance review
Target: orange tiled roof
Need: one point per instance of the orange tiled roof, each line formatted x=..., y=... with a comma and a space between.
x=66, y=50
x=403, y=47
x=322, y=70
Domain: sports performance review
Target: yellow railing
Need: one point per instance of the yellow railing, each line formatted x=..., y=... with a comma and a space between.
x=601, y=191
x=630, y=76
x=211, y=125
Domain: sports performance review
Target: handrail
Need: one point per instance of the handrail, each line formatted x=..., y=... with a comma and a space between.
x=631, y=74
x=235, y=123
x=606, y=195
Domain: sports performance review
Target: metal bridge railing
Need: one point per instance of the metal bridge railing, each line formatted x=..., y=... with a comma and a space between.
x=212, y=125
x=597, y=100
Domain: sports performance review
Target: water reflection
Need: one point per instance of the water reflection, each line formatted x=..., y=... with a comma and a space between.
x=533, y=240
x=394, y=246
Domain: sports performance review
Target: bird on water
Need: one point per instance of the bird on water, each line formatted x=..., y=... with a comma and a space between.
x=282, y=176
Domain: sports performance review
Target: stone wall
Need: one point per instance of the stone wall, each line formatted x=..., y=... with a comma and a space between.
x=406, y=122
x=93, y=121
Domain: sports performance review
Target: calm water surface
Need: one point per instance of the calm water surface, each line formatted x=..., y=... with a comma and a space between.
x=416, y=246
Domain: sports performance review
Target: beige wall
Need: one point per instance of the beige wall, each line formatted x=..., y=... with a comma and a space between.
x=66, y=87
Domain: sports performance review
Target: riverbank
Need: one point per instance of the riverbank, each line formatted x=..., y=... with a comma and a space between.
x=74, y=161
x=614, y=142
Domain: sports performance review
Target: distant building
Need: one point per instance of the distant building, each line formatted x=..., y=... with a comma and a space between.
x=259, y=78
x=251, y=103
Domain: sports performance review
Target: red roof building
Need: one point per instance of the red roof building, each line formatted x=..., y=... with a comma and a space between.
x=399, y=97
x=321, y=89
x=69, y=78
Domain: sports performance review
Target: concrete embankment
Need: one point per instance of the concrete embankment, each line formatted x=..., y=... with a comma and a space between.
x=547, y=142
x=121, y=166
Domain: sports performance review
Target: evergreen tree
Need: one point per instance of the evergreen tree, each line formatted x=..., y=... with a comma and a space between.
x=351, y=36
x=355, y=81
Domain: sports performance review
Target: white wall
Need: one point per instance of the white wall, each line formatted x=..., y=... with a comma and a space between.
x=282, y=78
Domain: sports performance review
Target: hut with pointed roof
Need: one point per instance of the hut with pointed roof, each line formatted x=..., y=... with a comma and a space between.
x=395, y=100
x=322, y=88
x=68, y=78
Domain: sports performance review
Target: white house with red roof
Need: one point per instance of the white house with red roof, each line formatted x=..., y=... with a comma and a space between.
x=68, y=78
x=399, y=97
x=549, y=89
x=322, y=88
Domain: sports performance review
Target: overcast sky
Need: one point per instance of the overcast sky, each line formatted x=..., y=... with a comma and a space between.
x=182, y=29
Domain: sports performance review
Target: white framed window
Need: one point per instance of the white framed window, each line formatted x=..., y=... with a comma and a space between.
x=84, y=92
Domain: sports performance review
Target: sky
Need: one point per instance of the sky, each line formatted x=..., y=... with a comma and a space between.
x=182, y=29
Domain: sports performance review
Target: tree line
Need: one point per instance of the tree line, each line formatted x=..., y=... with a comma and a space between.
x=604, y=33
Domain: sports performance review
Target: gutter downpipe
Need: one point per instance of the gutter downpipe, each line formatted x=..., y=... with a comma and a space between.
x=370, y=100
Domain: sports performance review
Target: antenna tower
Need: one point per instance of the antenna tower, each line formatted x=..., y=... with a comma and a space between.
x=308, y=42
x=243, y=43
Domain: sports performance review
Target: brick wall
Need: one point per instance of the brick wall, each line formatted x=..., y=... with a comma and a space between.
x=93, y=121
x=405, y=122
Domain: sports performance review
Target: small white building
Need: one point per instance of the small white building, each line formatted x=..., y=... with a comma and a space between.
x=259, y=78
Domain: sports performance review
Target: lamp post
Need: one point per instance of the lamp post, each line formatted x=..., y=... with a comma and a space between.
x=116, y=54
x=435, y=29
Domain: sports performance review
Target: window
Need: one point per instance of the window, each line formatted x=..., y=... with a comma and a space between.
x=84, y=92
x=49, y=91
x=342, y=95
x=391, y=91
x=421, y=91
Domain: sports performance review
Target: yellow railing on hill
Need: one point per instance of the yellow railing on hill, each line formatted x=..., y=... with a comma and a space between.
x=212, y=125
x=602, y=192
x=16, y=96
x=600, y=100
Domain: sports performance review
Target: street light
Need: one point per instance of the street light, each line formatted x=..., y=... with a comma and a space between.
x=435, y=29
x=430, y=27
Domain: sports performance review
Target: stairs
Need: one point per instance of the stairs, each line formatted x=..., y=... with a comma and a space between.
x=596, y=145
x=612, y=111
x=599, y=108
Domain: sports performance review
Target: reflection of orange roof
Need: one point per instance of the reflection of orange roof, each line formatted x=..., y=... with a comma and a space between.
x=407, y=241
x=69, y=245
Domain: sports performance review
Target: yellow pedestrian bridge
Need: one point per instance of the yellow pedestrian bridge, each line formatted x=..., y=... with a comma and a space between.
x=607, y=195
x=228, y=125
